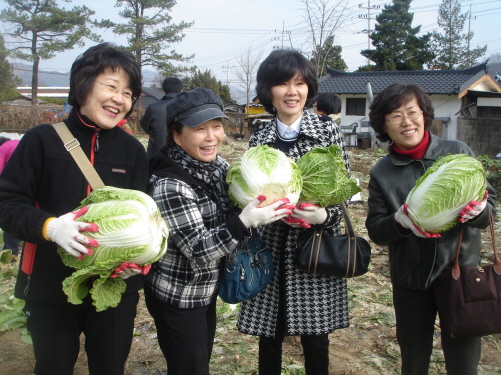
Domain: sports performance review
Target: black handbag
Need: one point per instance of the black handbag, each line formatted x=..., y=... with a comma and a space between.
x=319, y=252
x=469, y=297
x=247, y=272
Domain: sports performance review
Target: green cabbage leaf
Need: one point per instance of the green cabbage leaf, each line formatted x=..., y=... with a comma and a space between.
x=447, y=186
x=131, y=230
x=325, y=178
x=263, y=170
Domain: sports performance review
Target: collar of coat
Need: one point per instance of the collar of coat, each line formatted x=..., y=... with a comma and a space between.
x=309, y=127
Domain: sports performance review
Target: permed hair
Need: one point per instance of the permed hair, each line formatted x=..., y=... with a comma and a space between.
x=279, y=67
x=93, y=62
x=392, y=98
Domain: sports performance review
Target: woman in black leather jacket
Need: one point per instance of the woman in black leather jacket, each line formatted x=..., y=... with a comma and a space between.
x=402, y=114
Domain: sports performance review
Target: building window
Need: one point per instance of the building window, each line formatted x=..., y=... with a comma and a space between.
x=355, y=106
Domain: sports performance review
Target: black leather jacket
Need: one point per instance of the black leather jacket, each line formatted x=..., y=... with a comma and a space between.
x=416, y=262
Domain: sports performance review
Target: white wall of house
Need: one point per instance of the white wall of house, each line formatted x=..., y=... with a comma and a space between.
x=445, y=107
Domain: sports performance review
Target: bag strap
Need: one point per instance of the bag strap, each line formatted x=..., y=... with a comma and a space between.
x=347, y=223
x=72, y=145
x=496, y=261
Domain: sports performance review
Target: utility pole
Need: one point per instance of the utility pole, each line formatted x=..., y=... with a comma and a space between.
x=226, y=69
x=368, y=17
x=469, y=29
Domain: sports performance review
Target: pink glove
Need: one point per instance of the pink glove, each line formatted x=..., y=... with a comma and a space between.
x=127, y=270
x=310, y=213
x=65, y=231
x=404, y=220
x=473, y=209
x=296, y=223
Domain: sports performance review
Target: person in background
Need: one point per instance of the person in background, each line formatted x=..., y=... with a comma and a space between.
x=189, y=186
x=153, y=120
x=294, y=302
x=328, y=107
x=7, y=147
x=402, y=114
x=41, y=185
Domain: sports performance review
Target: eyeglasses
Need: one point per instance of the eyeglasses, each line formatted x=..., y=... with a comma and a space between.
x=411, y=115
x=114, y=90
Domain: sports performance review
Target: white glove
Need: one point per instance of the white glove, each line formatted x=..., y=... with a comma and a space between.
x=65, y=231
x=473, y=209
x=310, y=213
x=404, y=220
x=127, y=270
x=253, y=216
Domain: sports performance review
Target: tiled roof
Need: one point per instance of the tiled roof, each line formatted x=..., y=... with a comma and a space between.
x=438, y=82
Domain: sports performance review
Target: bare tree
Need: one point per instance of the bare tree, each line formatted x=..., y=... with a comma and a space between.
x=323, y=18
x=247, y=65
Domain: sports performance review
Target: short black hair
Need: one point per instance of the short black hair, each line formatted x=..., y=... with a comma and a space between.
x=279, y=67
x=172, y=85
x=329, y=103
x=393, y=97
x=93, y=62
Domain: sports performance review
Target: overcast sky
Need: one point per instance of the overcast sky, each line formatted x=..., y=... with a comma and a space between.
x=225, y=29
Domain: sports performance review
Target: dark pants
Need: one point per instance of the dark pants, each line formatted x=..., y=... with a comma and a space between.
x=55, y=331
x=10, y=243
x=415, y=312
x=315, y=347
x=185, y=336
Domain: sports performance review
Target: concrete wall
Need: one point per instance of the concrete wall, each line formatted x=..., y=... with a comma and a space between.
x=482, y=135
x=444, y=105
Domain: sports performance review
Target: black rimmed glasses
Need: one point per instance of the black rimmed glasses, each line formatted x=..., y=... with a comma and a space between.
x=114, y=90
x=411, y=115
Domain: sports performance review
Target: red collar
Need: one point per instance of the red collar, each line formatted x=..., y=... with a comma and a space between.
x=416, y=152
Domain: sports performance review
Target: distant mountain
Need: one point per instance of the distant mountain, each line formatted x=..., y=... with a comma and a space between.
x=45, y=78
x=49, y=79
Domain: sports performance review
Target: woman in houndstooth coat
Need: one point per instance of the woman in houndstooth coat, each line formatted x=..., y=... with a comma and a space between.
x=294, y=302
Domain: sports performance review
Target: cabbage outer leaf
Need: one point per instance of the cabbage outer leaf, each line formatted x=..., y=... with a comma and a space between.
x=263, y=170
x=447, y=186
x=131, y=230
x=325, y=178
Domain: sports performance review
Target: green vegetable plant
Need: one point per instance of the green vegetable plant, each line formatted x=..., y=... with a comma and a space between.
x=325, y=178
x=441, y=193
x=131, y=230
x=263, y=170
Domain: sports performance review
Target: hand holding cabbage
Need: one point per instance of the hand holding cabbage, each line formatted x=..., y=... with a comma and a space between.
x=131, y=231
x=317, y=180
x=452, y=190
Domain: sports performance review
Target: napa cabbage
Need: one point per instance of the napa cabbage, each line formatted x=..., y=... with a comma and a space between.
x=263, y=170
x=131, y=230
x=441, y=193
x=325, y=178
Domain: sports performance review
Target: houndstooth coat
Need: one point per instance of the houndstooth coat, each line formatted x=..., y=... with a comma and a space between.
x=315, y=304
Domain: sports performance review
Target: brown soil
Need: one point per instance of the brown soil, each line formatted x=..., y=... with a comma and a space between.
x=368, y=346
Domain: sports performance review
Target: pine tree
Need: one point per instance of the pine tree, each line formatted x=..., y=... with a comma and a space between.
x=451, y=47
x=330, y=56
x=43, y=28
x=397, y=46
x=8, y=81
x=207, y=80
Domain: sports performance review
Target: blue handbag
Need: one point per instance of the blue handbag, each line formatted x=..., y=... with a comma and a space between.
x=247, y=272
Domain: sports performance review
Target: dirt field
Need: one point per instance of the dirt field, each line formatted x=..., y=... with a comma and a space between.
x=368, y=346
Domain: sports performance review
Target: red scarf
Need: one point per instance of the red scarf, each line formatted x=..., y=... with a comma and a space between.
x=416, y=152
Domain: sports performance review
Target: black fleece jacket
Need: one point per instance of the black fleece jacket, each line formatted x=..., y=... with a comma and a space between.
x=42, y=180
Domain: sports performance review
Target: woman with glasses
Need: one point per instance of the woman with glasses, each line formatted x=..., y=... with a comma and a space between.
x=402, y=114
x=41, y=185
